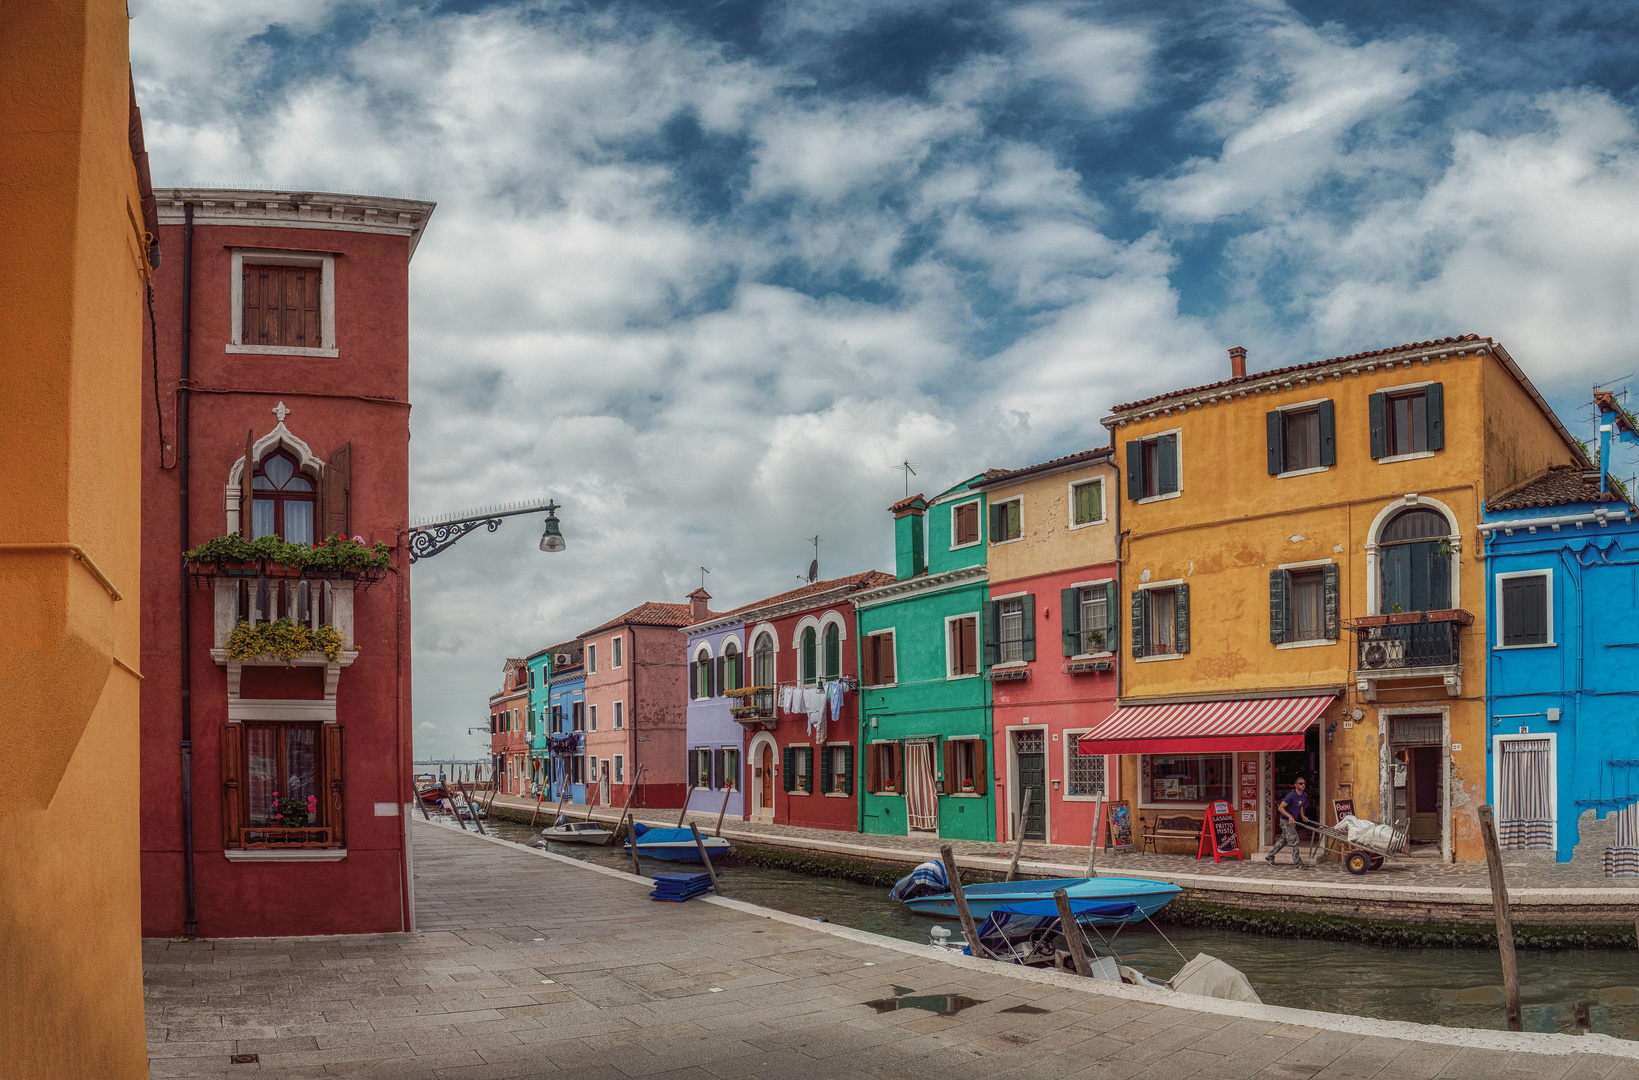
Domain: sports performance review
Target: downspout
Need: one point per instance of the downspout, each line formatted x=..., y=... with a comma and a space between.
x=190, y=921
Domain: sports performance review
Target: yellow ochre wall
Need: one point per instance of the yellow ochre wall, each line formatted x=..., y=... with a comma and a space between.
x=1234, y=523
x=71, y=324
x=1046, y=542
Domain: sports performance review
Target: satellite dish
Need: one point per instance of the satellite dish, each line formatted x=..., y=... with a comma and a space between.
x=813, y=571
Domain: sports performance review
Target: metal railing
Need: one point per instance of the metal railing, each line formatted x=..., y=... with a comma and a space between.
x=1408, y=645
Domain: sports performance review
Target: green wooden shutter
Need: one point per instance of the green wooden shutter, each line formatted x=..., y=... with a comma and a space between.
x=694, y=680
x=1140, y=610
x=1276, y=443
x=790, y=768
x=1434, y=398
x=826, y=775
x=1168, y=457
x=1280, y=588
x=992, y=632
x=1377, y=411
x=1333, y=605
x=833, y=650
x=1070, y=620
x=848, y=770
x=1181, y=632
x=1112, y=617
x=1328, y=433
x=1135, y=470
x=1029, y=622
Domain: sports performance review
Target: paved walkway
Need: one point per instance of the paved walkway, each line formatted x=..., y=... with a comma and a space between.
x=1423, y=879
x=528, y=964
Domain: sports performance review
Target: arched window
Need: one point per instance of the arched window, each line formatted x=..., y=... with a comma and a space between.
x=733, y=677
x=1416, y=562
x=282, y=505
x=833, y=651
x=702, y=674
x=810, y=656
x=762, y=660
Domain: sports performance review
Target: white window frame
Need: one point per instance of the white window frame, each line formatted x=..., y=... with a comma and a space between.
x=1078, y=586
x=831, y=749
x=1401, y=391
x=1070, y=512
x=1374, y=550
x=591, y=658
x=1171, y=583
x=591, y=717
x=950, y=655
x=1299, y=406
x=1112, y=768
x=990, y=508
x=617, y=650
x=619, y=716
x=980, y=503
x=894, y=650
x=325, y=261
x=1552, y=641
x=1169, y=494
x=617, y=772
x=998, y=600
x=1311, y=643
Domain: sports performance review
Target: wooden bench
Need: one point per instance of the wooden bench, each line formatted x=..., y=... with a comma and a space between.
x=1175, y=827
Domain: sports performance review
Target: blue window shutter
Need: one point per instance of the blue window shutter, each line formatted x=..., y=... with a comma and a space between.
x=1377, y=410
x=1328, y=433
x=1135, y=470
x=1168, y=458
x=1029, y=621
x=1275, y=442
x=1434, y=398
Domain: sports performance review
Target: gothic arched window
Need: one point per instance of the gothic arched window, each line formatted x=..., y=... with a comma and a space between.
x=282, y=500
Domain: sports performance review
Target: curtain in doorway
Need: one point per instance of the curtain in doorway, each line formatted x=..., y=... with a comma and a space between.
x=1622, y=857
x=1524, y=813
x=921, y=798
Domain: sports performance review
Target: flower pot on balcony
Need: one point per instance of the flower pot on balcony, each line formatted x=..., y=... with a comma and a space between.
x=283, y=570
x=1453, y=615
x=241, y=567
x=323, y=574
x=1405, y=618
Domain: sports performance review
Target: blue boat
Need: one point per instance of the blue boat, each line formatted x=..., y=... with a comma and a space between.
x=1147, y=897
x=674, y=845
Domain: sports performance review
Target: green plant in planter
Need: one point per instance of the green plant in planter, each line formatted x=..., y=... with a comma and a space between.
x=344, y=554
x=276, y=550
x=292, y=812
x=283, y=639
x=223, y=549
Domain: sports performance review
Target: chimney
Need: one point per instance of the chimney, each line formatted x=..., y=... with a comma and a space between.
x=1237, y=362
x=697, y=605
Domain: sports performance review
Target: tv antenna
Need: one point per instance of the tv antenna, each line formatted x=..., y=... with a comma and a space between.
x=704, y=570
x=813, y=567
x=910, y=468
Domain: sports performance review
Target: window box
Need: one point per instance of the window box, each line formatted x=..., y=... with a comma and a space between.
x=1451, y=615
x=1009, y=674
x=240, y=567
x=282, y=570
x=285, y=838
x=1079, y=667
x=1405, y=618
x=1371, y=620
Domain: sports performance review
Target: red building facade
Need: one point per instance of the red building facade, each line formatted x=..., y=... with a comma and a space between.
x=802, y=761
x=509, y=730
x=282, y=324
x=635, y=706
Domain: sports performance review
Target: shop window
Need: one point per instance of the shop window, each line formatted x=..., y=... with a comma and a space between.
x=1190, y=778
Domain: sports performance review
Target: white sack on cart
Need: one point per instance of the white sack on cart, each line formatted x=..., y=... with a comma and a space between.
x=1361, y=831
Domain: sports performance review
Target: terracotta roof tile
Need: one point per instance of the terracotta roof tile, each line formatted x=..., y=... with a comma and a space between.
x=1464, y=339
x=906, y=503
x=1559, y=486
x=651, y=613
x=1002, y=475
x=870, y=579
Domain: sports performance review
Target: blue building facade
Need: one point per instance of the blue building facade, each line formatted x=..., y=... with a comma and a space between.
x=563, y=740
x=1562, y=570
x=715, y=741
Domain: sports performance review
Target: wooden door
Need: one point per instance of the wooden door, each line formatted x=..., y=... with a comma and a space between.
x=1031, y=756
x=768, y=777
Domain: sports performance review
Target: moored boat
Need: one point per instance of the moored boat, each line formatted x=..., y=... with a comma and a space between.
x=564, y=831
x=674, y=845
x=916, y=892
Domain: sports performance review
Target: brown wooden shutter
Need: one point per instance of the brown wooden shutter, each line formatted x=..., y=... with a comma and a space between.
x=873, y=767
x=334, y=788
x=337, y=505
x=872, y=648
x=951, y=782
x=310, y=335
x=885, y=671
x=981, y=774
x=245, y=489
x=250, y=317
x=233, y=796
x=899, y=765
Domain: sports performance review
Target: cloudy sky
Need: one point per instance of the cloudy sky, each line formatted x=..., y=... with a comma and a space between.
x=707, y=271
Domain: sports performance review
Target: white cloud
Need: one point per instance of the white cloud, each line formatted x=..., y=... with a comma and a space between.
x=1105, y=66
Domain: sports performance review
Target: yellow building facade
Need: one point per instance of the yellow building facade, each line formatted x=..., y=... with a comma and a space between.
x=1301, y=571
x=72, y=206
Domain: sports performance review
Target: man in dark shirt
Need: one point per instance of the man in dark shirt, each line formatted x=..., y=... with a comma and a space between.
x=1292, y=808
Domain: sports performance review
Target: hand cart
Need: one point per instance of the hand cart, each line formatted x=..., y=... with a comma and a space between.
x=1359, y=857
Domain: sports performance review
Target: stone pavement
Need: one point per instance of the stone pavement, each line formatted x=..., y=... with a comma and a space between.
x=528, y=964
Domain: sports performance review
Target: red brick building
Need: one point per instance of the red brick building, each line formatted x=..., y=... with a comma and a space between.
x=636, y=704
x=509, y=730
x=282, y=324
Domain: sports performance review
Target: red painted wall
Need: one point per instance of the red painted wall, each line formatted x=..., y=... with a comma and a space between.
x=1053, y=700
x=359, y=398
x=814, y=810
x=511, y=707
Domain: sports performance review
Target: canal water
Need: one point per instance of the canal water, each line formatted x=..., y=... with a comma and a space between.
x=1450, y=987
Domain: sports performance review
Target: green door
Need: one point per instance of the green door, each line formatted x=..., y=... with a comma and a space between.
x=1030, y=756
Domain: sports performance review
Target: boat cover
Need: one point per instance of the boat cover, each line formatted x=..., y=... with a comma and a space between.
x=926, y=880
x=1028, y=932
x=1210, y=977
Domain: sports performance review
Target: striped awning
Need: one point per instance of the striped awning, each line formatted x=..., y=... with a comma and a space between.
x=1206, y=727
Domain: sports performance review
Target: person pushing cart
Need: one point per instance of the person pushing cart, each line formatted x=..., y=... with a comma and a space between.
x=1292, y=809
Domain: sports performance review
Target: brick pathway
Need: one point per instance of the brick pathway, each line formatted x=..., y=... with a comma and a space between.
x=532, y=965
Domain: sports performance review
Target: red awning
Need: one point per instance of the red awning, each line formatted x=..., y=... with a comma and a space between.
x=1206, y=727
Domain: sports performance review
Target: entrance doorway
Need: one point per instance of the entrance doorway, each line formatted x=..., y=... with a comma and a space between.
x=1030, y=765
x=921, y=796
x=767, y=802
x=760, y=766
x=1416, y=775
x=1285, y=766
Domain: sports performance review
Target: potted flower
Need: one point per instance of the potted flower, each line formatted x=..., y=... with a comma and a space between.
x=283, y=640
x=293, y=812
x=967, y=787
x=887, y=787
x=341, y=556
x=802, y=785
x=280, y=559
x=233, y=555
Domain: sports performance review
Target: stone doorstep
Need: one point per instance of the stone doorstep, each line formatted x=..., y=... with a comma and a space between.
x=1139, y=997
x=1622, y=898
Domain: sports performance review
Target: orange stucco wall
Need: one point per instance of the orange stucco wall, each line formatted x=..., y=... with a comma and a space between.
x=72, y=322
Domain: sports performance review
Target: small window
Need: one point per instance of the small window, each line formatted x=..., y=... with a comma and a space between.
x=1086, y=503
x=593, y=776
x=762, y=660
x=282, y=771
x=799, y=769
x=733, y=677
x=700, y=673
x=964, y=526
x=1153, y=467
x=1525, y=614
x=591, y=659
x=877, y=659
x=1010, y=619
x=1163, y=616
x=620, y=768
x=833, y=651
x=883, y=769
x=1086, y=772
x=283, y=306
x=836, y=770
x=965, y=772
x=591, y=718
x=620, y=715
x=1095, y=618
x=702, y=767
x=1193, y=778
x=1302, y=439
x=1004, y=521
x=963, y=645
x=1408, y=422
x=577, y=715
x=727, y=761
x=282, y=499
x=577, y=769
x=1160, y=621
x=616, y=652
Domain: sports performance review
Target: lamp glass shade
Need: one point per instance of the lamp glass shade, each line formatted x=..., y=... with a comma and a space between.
x=552, y=539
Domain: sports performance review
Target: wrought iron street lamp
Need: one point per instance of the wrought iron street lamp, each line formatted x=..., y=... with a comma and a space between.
x=433, y=535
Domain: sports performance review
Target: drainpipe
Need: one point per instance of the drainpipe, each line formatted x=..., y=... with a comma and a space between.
x=191, y=917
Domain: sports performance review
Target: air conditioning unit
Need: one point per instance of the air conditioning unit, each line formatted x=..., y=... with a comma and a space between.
x=1384, y=652
x=562, y=659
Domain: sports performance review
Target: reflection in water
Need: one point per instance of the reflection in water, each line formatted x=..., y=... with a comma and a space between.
x=1451, y=987
x=943, y=1004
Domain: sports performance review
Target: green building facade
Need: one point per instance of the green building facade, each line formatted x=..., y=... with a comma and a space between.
x=924, y=691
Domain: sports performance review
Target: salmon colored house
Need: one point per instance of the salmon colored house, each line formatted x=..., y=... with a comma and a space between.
x=1052, y=620
x=282, y=321
x=509, y=730
x=635, y=709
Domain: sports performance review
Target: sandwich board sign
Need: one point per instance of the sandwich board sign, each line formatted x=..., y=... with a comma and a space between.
x=1218, y=834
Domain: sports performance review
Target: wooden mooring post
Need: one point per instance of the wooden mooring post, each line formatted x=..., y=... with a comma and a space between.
x=685, y=811
x=969, y=930
x=1072, y=934
x=700, y=845
x=630, y=794
x=721, y=814
x=473, y=810
x=1505, y=929
x=1018, y=834
x=1092, y=846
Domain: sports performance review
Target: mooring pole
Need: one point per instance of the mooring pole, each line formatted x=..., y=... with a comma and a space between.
x=1072, y=934
x=1505, y=929
x=473, y=810
x=1098, y=827
x=630, y=794
x=1018, y=835
x=685, y=811
x=700, y=845
x=721, y=814
x=968, y=929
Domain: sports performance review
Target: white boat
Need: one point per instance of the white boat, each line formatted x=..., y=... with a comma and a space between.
x=577, y=832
